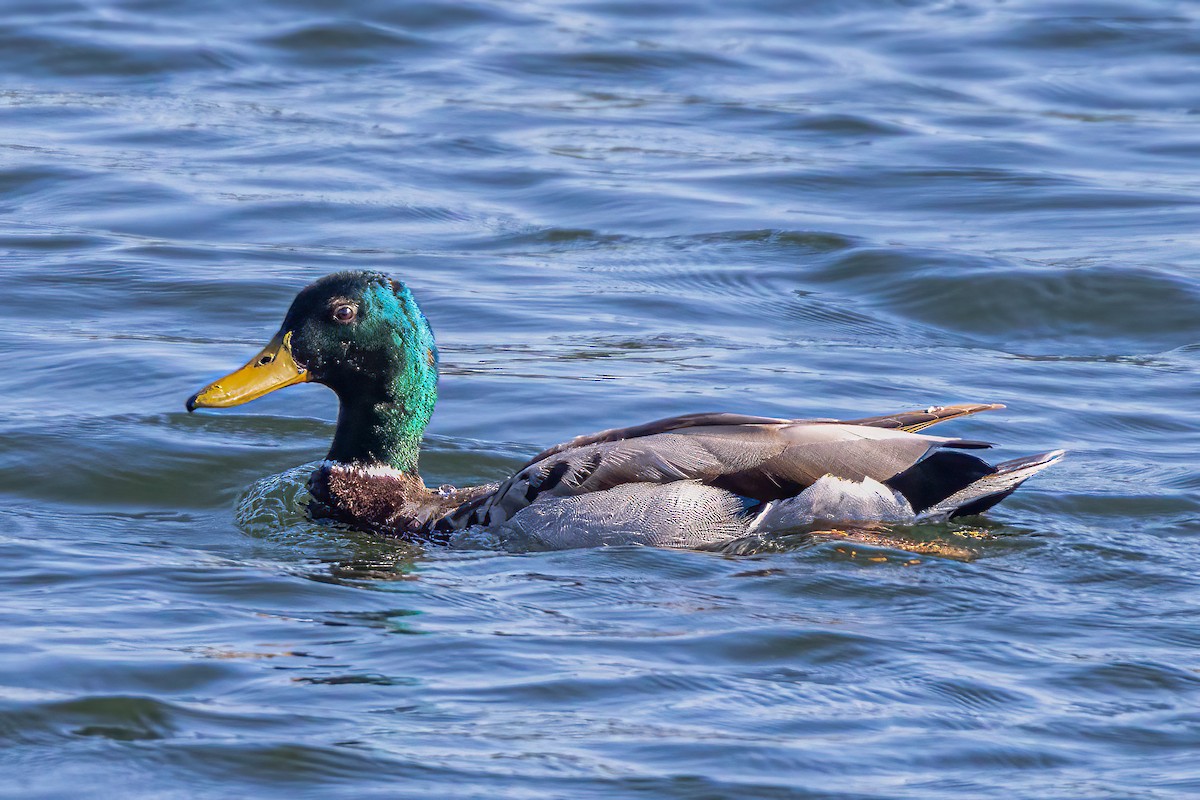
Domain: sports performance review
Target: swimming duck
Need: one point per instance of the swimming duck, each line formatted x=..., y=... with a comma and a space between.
x=687, y=481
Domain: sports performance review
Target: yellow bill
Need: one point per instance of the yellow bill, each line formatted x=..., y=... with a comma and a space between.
x=273, y=368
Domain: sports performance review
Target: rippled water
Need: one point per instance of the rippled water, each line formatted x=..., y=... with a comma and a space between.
x=610, y=211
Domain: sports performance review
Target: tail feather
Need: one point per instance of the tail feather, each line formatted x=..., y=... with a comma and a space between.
x=985, y=492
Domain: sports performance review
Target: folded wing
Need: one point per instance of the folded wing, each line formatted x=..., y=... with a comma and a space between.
x=758, y=459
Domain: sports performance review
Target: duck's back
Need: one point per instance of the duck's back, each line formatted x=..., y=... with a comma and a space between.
x=694, y=480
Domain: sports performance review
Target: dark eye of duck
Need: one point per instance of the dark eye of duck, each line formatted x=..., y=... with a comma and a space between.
x=345, y=314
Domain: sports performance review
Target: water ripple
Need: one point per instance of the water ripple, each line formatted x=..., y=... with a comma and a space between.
x=610, y=211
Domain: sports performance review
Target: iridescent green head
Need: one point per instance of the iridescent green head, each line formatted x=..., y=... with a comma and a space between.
x=362, y=335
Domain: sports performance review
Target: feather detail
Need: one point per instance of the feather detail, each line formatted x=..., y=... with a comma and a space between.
x=836, y=500
x=758, y=461
x=677, y=514
x=914, y=421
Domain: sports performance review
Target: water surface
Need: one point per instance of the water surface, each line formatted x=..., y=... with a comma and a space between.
x=610, y=212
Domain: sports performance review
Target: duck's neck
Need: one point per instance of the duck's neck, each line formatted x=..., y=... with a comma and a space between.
x=381, y=431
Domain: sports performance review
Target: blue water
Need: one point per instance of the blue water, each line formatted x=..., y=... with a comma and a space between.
x=610, y=212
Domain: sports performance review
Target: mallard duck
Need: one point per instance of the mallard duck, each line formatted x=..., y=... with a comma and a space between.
x=687, y=481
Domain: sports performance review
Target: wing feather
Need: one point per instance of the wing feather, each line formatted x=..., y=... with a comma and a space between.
x=911, y=421
x=760, y=460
